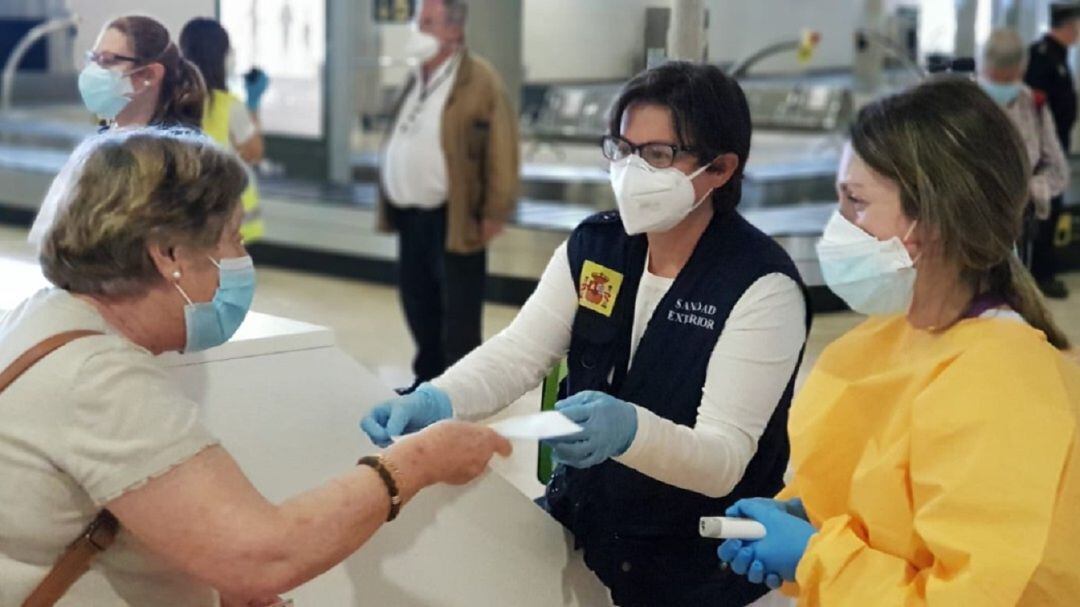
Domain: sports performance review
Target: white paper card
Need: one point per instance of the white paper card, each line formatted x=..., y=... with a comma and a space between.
x=547, y=424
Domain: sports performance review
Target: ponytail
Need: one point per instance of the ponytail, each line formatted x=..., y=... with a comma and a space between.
x=183, y=92
x=1011, y=280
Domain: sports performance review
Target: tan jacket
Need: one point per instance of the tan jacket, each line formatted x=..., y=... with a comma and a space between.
x=480, y=142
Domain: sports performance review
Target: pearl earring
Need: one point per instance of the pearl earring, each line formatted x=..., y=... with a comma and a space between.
x=176, y=274
x=146, y=82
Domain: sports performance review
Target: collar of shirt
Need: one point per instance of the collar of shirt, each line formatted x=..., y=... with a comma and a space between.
x=1055, y=48
x=442, y=74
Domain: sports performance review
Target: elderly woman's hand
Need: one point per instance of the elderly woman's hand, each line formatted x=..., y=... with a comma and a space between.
x=448, y=452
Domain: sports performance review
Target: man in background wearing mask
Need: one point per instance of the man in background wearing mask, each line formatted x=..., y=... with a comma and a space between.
x=1049, y=76
x=449, y=183
x=1001, y=70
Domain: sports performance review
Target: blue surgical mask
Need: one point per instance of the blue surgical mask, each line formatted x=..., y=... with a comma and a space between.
x=104, y=92
x=213, y=323
x=1002, y=94
x=873, y=277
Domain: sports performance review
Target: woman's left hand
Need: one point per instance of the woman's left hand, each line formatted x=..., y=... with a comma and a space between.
x=608, y=427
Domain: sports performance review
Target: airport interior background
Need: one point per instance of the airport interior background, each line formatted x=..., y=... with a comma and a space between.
x=336, y=67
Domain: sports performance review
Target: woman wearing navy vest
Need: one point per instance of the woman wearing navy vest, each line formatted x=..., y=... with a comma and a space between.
x=683, y=328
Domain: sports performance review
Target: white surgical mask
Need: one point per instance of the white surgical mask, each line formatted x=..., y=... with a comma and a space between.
x=652, y=199
x=872, y=276
x=421, y=46
x=104, y=92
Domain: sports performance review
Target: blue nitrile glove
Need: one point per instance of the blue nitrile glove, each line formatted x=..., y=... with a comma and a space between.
x=255, y=83
x=779, y=552
x=608, y=427
x=729, y=551
x=794, y=507
x=406, y=414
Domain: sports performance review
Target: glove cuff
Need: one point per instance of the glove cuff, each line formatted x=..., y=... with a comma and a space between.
x=633, y=428
x=437, y=399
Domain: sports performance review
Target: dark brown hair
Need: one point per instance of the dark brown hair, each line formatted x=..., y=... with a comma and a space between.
x=183, y=92
x=206, y=44
x=963, y=174
x=709, y=111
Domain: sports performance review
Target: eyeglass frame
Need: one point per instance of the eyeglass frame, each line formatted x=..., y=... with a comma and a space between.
x=95, y=56
x=636, y=149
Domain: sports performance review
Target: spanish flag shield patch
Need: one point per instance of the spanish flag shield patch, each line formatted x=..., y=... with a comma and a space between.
x=598, y=287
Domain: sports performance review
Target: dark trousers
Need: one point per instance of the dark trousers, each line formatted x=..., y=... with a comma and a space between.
x=442, y=293
x=1043, y=255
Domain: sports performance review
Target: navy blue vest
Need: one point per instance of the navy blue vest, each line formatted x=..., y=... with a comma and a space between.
x=639, y=534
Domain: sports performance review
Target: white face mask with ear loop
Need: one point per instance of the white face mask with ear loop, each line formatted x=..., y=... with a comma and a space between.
x=420, y=46
x=872, y=276
x=652, y=199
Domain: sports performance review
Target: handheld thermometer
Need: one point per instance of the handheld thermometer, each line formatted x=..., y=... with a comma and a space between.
x=730, y=528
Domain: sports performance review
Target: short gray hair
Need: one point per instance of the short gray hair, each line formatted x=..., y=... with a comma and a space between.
x=132, y=188
x=456, y=11
x=1004, y=49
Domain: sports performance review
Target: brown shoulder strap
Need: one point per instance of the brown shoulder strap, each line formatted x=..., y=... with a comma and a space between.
x=75, y=561
x=32, y=356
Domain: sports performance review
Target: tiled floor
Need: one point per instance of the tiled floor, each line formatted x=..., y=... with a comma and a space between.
x=370, y=327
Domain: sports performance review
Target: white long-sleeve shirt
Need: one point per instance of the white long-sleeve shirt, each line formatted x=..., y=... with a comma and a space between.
x=413, y=163
x=748, y=370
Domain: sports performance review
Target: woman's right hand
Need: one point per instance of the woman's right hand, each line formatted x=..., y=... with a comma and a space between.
x=448, y=452
x=406, y=414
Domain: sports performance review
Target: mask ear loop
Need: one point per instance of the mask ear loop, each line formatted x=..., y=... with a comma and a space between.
x=904, y=240
x=176, y=283
x=692, y=177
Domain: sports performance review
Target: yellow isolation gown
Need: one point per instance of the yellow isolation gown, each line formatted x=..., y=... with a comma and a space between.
x=939, y=468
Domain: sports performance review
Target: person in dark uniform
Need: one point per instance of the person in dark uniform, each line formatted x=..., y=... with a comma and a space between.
x=1049, y=77
x=683, y=326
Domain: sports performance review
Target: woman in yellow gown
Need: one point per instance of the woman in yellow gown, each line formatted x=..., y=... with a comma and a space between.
x=933, y=448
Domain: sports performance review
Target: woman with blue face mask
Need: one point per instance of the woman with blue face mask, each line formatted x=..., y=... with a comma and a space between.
x=146, y=257
x=682, y=327
x=935, y=449
x=136, y=76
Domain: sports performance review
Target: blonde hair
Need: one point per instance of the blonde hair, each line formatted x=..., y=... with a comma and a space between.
x=135, y=188
x=963, y=173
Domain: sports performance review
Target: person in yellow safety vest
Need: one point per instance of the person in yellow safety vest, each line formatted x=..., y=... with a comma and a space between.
x=226, y=119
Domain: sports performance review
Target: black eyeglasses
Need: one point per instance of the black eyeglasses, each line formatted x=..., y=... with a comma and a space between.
x=108, y=58
x=657, y=154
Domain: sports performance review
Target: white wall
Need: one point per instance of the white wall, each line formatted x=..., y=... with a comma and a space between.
x=603, y=39
x=584, y=39
x=738, y=28
x=66, y=55
x=172, y=13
